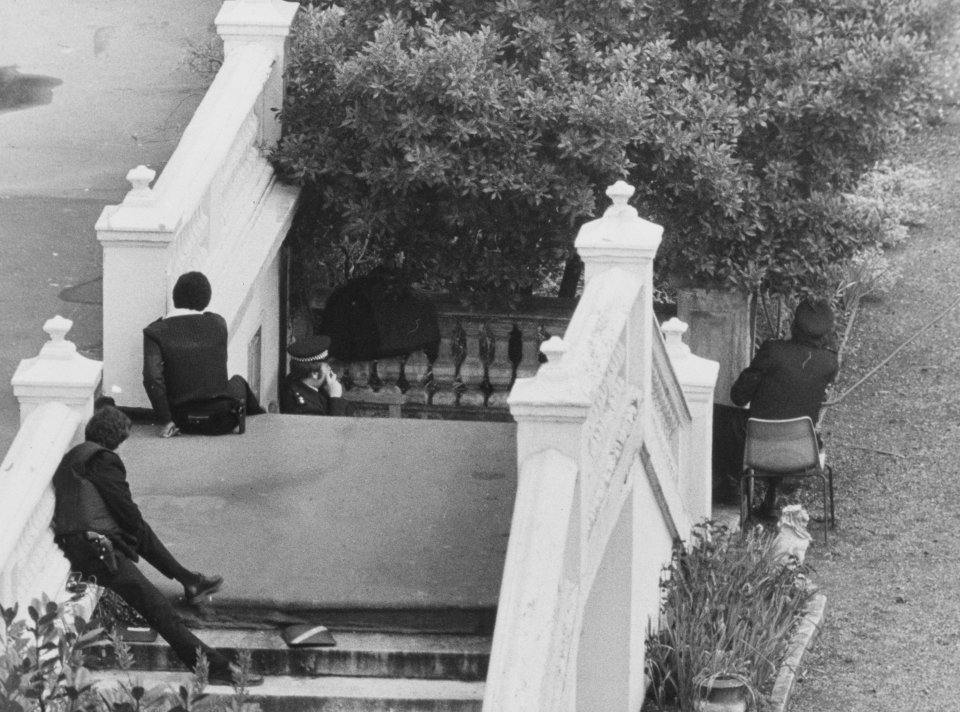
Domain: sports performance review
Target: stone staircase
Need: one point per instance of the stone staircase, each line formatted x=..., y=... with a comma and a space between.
x=367, y=671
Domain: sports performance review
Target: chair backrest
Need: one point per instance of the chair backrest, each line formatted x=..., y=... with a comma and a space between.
x=781, y=446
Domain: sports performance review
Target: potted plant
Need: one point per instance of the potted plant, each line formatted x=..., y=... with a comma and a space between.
x=723, y=684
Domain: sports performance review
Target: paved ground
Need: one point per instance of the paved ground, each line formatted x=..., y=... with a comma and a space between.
x=88, y=90
x=303, y=512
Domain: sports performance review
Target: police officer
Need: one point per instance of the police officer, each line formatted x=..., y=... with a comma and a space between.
x=312, y=388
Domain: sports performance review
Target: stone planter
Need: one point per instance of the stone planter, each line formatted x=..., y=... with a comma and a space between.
x=723, y=694
x=481, y=354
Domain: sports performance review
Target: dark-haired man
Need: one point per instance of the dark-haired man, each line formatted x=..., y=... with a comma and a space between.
x=185, y=358
x=102, y=533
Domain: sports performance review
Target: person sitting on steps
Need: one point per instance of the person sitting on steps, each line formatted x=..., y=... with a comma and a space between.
x=185, y=359
x=789, y=378
x=103, y=534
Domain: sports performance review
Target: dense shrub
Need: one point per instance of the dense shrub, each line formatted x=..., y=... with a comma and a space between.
x=467, y=140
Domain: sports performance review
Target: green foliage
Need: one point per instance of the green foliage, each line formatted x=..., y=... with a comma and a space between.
x=44, y=667
x=728, y=610
x=468, y=140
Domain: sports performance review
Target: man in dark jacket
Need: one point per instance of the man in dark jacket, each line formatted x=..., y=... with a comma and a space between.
x=789, y=378
x=185, y=358
x=102, y=533
x=311, y=387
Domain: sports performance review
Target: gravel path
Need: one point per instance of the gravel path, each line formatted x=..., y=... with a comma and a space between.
x=891, y=573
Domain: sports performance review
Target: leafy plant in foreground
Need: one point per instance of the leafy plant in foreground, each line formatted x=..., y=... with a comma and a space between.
x=728, y=609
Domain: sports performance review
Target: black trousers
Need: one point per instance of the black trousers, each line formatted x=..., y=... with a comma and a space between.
x=132, y=586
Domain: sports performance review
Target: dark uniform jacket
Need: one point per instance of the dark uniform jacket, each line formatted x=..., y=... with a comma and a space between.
x=184, y=361
x=786, y=379
x=297, y=397
x=92, y=494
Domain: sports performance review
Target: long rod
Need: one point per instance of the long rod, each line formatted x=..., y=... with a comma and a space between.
x=893, y=353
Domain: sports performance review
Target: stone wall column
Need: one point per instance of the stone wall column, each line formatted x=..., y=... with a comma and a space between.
x=265, y=22
x=720, y=330
x=621, y=238
x=57, y=374
x=697, y=377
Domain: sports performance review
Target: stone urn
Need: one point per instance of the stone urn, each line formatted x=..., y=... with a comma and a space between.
x=722, y=694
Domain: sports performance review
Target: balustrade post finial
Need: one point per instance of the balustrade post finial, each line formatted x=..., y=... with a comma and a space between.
x=140, y=179
x=673, y=330
x=58, y=347
x=619, y=193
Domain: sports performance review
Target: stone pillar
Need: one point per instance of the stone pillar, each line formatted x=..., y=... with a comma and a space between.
x=57, y=374
x=720, y=329
x=623, y=239
x=265, y=22
x=135, y=237
x=697, y=377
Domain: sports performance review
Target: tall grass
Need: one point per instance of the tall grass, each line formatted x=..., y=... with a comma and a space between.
x=727, y=610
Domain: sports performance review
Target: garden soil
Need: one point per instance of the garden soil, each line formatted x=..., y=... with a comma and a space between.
x=891, y=572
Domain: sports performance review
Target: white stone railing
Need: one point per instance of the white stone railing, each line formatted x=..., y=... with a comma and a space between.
x=56, y=391
x=614, y=450
x=216, y=208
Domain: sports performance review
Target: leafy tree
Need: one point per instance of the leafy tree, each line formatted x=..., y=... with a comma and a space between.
x=467, y=140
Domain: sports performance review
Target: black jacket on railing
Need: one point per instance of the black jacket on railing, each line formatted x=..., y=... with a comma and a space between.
x=184, y=360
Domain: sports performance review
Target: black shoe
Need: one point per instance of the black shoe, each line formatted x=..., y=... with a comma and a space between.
x=205, y=586
x=231, y=677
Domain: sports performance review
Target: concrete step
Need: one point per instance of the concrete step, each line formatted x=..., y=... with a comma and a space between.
x=319, y=694
x=356, y=654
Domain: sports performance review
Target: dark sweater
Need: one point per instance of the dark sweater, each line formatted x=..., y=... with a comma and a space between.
x=184, y=361
x=786, y=379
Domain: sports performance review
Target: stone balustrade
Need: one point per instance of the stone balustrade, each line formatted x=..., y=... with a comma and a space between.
x=613, y=441
x=217, y=208
x=481, y=355
x=56, y=390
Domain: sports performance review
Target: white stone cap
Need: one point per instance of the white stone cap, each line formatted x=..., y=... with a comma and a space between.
x=58, y=367
x=554, y=393
x=256, y=17
x=139, y=212
x=621, y=233
x=692, y=371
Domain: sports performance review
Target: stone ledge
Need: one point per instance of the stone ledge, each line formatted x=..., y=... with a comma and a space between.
x=800, y=643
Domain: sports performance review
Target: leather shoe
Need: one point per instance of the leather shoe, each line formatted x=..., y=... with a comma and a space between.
x=231, y=676
x=204, y=586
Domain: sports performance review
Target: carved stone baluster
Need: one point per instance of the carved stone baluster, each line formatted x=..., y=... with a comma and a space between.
x=542, y=335
x=514, y=352
x=346, y=379
x=458, y=349
x=402, y=383
x=488, y=351
x=430, y=384
x=375, y=382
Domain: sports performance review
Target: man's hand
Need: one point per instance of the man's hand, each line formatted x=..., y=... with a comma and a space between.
x=169, y=430
x=334, y=387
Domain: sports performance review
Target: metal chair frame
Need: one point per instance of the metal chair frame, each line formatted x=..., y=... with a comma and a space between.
x=775, y=449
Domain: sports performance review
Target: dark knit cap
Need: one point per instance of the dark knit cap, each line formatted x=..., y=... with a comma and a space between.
x=813, y=319
x=192, y=291
x=310, y=349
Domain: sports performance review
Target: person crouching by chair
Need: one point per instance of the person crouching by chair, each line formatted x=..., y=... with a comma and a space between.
x=185, y=358
x=311, y=387
x=789, y=378
x=102, y=533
